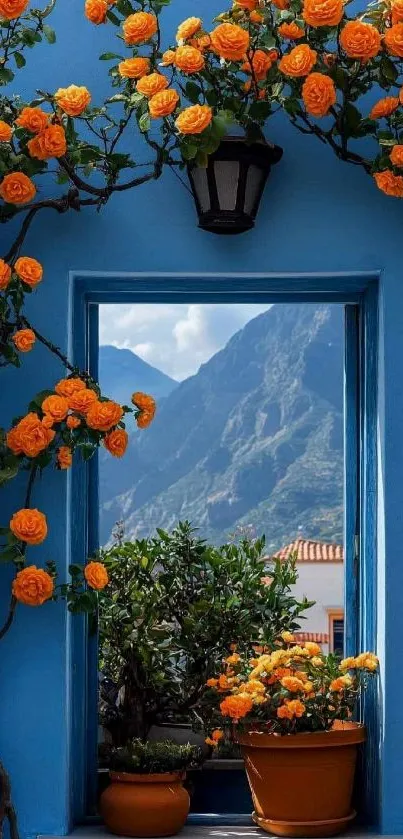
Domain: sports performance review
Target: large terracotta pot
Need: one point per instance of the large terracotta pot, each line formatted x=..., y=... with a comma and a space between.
x=145, y=805
x=302, y=784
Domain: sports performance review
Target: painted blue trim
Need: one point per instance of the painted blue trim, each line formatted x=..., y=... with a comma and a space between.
x=370, y=710
x=351, y=480
x=89, y=288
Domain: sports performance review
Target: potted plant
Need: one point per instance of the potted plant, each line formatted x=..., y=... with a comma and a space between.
x=173, y=606
x=291, y=710
x=146, y=796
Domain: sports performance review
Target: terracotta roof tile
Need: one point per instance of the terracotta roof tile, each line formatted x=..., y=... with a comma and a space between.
x=308, y=551
x=317, y=637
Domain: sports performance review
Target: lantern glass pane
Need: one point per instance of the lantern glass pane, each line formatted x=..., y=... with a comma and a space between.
x=253, y=186
x=199, y=176
x=227, y=176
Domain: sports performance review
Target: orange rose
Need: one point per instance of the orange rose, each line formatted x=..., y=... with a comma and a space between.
x=102, y=416
x=51, y=142
x=6, y=132
x=291, y=31
x=194, y=120
x=10, y=9
x=322, y=12
x=313, y=649
x=284, y=712
x=73, y=100
x=217, y=735
x=396, y=155
x=360, y=40
x=144, y=419
x=385, y=107
x=82, y=399
x=394, y=39
x=212, y=683
x=47, y=421
x=318, y=94
x=261, y=62
x=29, y=526
x=230, y=41
x=188, y=28
x=281, y=4
x=32, y=586
x=64, y=457
x=143, y=401
x=116, y=442
x=96, y=575
x=66, y=387
x=236, y=707
x=5, y=274
x=163, y=103
x=202, y=42
x=29, y=270
x=397, y=11
x=139, y=27
x=17, y=188
x=250, y=5
x=57, y=406
x=389, y=183
x=24, y=339
x=32, y=119
x=189, y=59
x=73, y=422
x=134, y=68
x=168, y=58
x=299, y=61
x=95, y=10
x=257, y=18
x=30, y=436
x=292, y=684
x=152, y=84
x=296, y=707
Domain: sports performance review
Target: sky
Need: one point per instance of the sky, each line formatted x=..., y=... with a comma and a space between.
x=175, y=338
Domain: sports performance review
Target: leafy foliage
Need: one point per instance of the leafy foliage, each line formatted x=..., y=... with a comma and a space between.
x=173, y=607
x=148, y=758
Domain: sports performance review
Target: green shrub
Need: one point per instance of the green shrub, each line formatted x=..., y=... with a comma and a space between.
x=173, y=607
x=153, y=757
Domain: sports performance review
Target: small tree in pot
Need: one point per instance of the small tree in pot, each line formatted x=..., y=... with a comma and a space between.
x=173, y=607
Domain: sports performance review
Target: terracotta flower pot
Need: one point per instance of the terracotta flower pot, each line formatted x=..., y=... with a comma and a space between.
x=145, y=805
x=302, y=784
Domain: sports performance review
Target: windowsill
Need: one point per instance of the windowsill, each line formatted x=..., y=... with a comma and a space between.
x=217, y=831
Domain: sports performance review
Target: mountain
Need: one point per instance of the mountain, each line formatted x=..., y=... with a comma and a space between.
x=254, y=438
x=121, y=372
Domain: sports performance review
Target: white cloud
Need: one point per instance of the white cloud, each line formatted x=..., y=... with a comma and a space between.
x=176, y=338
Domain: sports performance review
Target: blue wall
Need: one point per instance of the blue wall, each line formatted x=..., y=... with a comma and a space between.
x=318, y=215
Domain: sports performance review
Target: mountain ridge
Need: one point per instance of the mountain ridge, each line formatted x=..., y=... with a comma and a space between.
x=253, y=438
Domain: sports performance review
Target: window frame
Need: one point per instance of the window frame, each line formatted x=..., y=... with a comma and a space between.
x=358, y=291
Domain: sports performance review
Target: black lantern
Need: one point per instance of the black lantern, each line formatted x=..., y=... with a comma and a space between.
x=228, y=192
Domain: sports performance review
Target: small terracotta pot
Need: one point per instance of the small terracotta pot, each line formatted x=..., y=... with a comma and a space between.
x=302, y=784
x=145, y=805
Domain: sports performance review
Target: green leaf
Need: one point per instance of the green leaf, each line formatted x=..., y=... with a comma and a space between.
x=40, y=397
x=107, y=56
x=193, y=92
x=388, y=69
x=49, y=33
x=260, y=110
x=145, y=122
x=188, y=151
x=6, y=75
x=10, y=554
x=113, y=18
x=124, y=7
x=19, y=59
x=7, y=474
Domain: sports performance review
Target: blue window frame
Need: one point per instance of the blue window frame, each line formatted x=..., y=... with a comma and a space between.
x=359, y=293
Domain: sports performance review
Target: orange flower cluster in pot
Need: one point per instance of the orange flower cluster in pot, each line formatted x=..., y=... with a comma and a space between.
x=292, y=688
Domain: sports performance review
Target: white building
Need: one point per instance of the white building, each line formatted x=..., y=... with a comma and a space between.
x=321, y=578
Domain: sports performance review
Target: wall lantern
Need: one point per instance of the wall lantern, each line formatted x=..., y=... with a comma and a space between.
x=227, y=193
